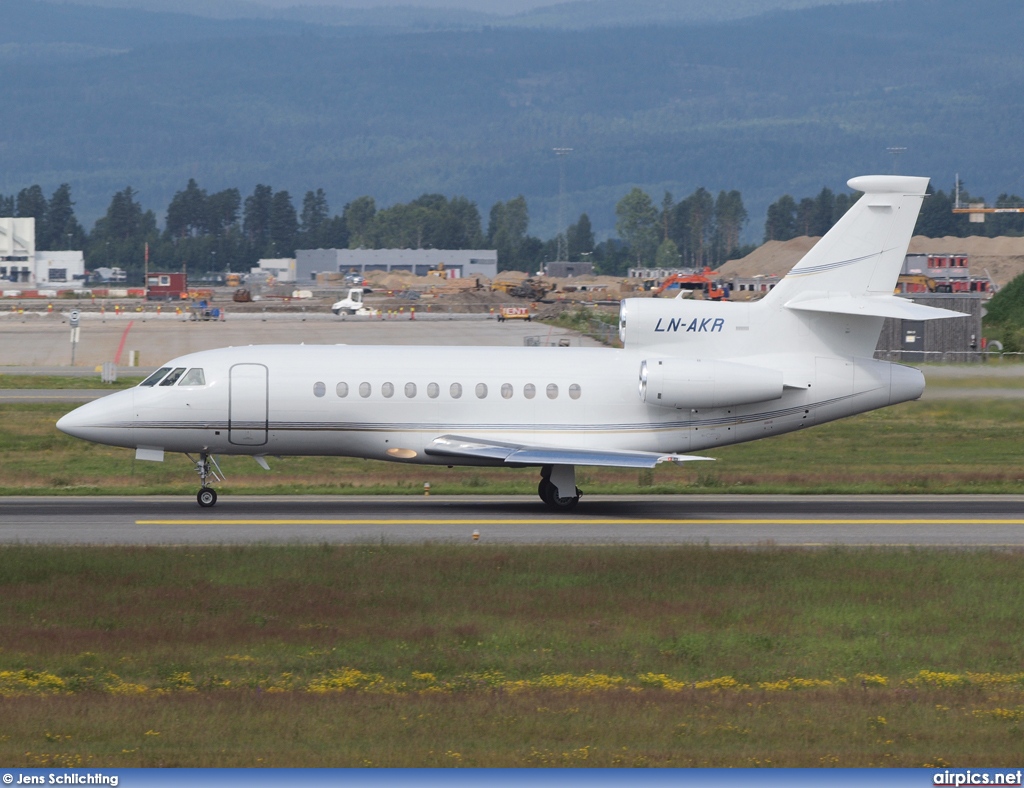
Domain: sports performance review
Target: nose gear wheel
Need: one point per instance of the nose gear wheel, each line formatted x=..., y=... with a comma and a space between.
x=206, y=468
x=206, y=497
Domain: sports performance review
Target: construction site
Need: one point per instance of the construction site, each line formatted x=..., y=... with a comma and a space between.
x=956, y=273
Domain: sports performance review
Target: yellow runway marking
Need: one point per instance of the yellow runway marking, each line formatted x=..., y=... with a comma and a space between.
x=592, y=521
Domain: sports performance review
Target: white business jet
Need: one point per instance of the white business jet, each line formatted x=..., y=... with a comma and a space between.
x=692, y=375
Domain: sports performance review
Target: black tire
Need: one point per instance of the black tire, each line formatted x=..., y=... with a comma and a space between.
x=564, y=504
x=206, y=497
x=549, y=494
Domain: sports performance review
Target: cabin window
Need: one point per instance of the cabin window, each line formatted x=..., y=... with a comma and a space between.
x=433, y=390
x=364, y=390
x=341, y=389
x=153, y=379
x=552, y=391
x=455, y=390
x=575, y=391
x=410, y=390
x=194, y=377
x=481, y=390
x=171, y=379
x=506, y=390
x=529, y=391
x=319, y=389
x=388, y=389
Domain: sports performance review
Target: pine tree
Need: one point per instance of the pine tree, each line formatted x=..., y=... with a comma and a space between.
x=62, y=228
x=284, y=225
x=256, y=217
x=32, y=203
x=315, y=212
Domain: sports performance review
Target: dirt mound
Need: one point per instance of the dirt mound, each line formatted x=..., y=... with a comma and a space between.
x=773, y=258
x=1002, y=257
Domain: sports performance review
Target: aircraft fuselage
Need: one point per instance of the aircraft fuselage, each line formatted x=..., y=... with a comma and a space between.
x=390, y=403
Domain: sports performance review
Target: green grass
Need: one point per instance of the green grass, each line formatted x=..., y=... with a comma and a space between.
x=509, y=656
x=962, y=446
x=64, y=382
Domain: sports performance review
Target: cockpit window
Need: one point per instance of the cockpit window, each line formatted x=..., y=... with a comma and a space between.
x=171, y=379
x=153, y=379
x=194, y=377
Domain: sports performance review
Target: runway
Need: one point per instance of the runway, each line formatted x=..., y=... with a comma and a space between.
x=751, y=521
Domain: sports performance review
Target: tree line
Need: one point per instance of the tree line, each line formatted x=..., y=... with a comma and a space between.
x=698, y=231
x=221, y=231
x=788, y=218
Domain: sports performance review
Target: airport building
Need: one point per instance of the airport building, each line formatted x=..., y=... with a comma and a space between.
x=462, y=262
x=564, y=270
x=955, y=340
x=281, y=269
x=21, y=263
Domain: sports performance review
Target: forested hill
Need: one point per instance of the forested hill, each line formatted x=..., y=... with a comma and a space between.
x=786, y=102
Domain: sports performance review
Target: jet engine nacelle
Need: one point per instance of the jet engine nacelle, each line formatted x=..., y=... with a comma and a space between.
x=691, y=383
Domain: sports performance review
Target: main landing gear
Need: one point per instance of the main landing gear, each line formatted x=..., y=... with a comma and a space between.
x=555, y=481
x=207, y=468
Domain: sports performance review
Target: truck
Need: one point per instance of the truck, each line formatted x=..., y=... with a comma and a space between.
x=166, y=287
x=351, y=304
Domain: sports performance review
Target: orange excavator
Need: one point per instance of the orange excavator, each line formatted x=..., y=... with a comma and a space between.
x=703, y=283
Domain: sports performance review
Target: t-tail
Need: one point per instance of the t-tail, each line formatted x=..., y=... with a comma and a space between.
x=831, y=304
x=851, y=273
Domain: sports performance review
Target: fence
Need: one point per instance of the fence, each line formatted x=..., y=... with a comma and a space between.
x=949, y=356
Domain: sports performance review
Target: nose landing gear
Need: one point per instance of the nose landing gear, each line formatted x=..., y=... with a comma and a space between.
x=555, y=482
x=206, y=467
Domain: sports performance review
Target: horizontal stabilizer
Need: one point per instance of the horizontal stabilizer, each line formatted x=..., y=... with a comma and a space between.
x=872, y=306
x=519, y=454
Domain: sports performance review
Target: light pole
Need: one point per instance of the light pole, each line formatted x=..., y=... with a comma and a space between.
x=563, y=241
x=896, y=153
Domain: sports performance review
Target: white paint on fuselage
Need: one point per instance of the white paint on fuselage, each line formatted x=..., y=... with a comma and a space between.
x=608, y=414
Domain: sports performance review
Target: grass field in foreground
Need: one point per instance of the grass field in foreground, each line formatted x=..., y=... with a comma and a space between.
x=509, y=656
x=953, y=446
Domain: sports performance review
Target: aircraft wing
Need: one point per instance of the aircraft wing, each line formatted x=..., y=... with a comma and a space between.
x=520, y=454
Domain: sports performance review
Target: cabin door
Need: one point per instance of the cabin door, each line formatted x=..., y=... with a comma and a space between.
x=247, y=410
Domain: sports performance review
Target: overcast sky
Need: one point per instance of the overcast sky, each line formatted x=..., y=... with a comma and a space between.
x=232, y=7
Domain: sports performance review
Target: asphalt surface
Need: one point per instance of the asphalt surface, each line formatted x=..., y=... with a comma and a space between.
x=44, y=343
x=755, y=521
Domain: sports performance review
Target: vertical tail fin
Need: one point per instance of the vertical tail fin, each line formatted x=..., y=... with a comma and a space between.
x=863, y=253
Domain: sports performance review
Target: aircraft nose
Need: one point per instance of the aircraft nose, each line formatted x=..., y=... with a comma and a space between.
x=102, y=420
x=75, y=422
x=80, y=421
